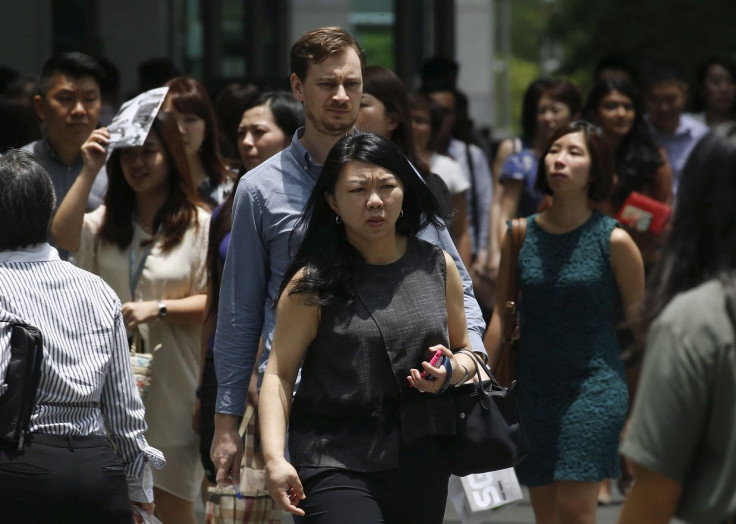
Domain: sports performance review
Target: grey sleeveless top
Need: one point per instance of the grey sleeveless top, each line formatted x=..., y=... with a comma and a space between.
x=354, y=406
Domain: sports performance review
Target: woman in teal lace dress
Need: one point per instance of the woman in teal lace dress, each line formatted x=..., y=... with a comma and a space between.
x=571, y=384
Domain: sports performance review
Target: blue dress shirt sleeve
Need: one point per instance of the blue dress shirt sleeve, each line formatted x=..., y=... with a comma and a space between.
x=242, y=297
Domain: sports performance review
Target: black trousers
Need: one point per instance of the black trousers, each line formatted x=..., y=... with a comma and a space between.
x=415, y=493
x=63, y=479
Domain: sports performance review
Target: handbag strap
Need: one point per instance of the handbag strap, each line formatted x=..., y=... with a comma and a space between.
x=473, y=196
x=247, y=432
x=250, y=412
x=136, y=343
x=518, y=234
x=135, y=271
x=480, y=363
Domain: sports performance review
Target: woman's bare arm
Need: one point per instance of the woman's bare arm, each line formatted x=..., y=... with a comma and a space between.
x=66, y=227
x=652, y=500
x=628, y=268
x=296, y=328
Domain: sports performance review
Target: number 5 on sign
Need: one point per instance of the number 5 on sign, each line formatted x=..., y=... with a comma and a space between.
x=486, y=491
x=476, y=497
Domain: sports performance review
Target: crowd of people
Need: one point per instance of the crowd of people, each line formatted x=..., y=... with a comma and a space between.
x=308, y=252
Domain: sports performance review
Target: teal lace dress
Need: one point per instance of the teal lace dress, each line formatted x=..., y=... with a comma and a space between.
x=571, y=386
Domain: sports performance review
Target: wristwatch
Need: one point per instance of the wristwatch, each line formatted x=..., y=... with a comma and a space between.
x=162, y=311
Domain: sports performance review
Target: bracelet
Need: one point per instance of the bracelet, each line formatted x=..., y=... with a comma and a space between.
x=465, y=377
x=448, y=367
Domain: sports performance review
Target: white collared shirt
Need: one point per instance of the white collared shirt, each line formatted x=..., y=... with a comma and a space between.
x=87, y=385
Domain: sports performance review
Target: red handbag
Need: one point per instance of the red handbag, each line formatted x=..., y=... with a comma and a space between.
x=644, y=214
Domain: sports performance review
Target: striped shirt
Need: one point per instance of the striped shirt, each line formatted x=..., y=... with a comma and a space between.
x=87, y=385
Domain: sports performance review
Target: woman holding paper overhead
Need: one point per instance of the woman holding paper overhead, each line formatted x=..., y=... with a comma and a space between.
x=149, y=242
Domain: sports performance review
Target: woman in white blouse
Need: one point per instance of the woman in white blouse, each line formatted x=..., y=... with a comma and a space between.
x=149, y=242
x=66, y=469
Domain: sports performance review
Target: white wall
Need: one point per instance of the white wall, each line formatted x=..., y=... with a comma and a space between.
x=311, y=14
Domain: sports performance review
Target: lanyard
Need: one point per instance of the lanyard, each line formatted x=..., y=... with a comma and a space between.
x=135, y=272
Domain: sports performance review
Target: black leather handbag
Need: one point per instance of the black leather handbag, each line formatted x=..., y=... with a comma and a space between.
x=22, y=377
x=489, y=435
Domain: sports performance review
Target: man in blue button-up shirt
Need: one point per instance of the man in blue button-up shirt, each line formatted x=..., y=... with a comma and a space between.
x=327, y=66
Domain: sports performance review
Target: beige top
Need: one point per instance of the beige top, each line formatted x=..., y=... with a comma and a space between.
x=177, y=273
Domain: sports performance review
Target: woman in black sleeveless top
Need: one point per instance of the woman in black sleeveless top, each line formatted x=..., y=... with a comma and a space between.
x=362, y=308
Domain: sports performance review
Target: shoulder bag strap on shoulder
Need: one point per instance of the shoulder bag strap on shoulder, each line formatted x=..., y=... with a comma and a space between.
x=473, y=195
x=518, y=233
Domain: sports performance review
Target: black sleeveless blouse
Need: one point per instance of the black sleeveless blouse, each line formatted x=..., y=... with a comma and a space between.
x=354, y=406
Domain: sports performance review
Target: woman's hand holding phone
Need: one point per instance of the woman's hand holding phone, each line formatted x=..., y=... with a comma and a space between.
x=435, y=362
x=434, y=374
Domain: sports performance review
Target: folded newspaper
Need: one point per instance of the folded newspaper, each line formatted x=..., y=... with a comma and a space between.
x=131, y=125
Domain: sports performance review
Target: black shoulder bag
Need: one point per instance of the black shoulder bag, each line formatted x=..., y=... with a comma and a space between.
x=489, y=435
x=22, y=377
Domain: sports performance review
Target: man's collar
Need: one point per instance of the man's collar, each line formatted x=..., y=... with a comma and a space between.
x=683, y=127
x=48, y=149
x=303, y=156
x=43, y=252
x=300, y=152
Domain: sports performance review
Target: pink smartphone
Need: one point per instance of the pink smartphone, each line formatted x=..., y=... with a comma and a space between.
x=434, y=362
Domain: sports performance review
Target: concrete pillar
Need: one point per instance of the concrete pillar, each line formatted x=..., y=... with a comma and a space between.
x=474, y=37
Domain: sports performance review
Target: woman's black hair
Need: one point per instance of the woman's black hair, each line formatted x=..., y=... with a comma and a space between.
x=187, y=95
x=722, y=60
x=529, y=109
x=229, y=105
x=637, y=158
x=325, y=253
x=422, y=102
x=702, y=242
x=387, y=87
x=563, y=91
x=287, y=111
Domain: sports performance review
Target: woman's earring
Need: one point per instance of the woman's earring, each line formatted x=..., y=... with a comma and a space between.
x=338, y=220
x=401, y=214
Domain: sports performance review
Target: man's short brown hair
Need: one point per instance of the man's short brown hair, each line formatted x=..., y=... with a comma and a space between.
x=318, y=44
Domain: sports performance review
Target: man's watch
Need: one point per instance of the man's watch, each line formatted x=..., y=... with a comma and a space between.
x=162, y=311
